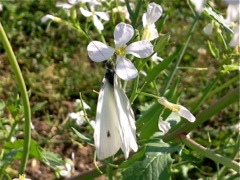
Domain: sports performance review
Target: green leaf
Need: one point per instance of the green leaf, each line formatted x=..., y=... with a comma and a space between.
x=153, y=167
x=2, y=104
x=81, y=136
x=8, y=157
x=154, y=72
x=18, y=144
x=208, y=11
x=231, y=67
x=38, y=106
x=133, y=158
x=214, y=50
x=161, y=43
x=52, y=159
x=187, y=155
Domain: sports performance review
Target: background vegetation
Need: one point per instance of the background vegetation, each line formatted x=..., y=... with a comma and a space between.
x=56, y=68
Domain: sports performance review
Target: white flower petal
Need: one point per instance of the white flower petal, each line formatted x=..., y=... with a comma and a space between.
x=208, y=29
x=199, y=5
x=156, y=58
x=92, y=123
x=233, y=12
x=98, y=51
x=144, y=19
x=150, y=33
x=122, y=34
x=64, y=5
x=235, y=41
x=103, y=15
x=78, y=117
x=185, y=113
x=154, y=12
x=85, y=12
x=97, y=23
x=125, y=69
x=180, y=110
x=47, y=17
x=140, y=49
x=85, y=105
x=73, y=115
x=163, y=126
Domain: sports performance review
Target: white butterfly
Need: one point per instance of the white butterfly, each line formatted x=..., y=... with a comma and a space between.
x=115, y=123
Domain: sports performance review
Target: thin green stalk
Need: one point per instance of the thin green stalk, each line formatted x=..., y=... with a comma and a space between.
x=24, y=95
x=206, y=93
x=203, y=116
x=210, y=154
x=189, y=36
x=220, y=88
x=110, y=171
x=221, y=173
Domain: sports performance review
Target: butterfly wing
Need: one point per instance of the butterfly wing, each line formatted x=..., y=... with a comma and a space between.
x=126, y=120
x=106, y=134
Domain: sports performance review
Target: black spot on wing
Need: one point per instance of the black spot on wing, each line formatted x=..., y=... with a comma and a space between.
x=108, y=134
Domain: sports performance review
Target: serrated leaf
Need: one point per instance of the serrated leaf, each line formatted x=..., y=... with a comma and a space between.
x=155, y=166
x=81, y=136
x=18, y=144
x=8, y=157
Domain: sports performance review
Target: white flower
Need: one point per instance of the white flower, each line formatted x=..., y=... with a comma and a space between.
x=50, y=17
x=163, y=126
x=78, y=117
x=115, y=123
x=123, y=33
x=180, y=110
x=95, y=14
x=123, y=11
x=69, y=4
x=21, y=177
x=67, y=169
x=156, y=58
x=232, y=10
x=85, y=105
x=1, y=7
x=208, y=29
x=154, y=12
x=235, y=41
x=199, y=5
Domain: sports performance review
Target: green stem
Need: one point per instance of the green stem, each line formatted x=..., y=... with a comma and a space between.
x=203, y=116
x=220, y=174
x=220, y=88
x=25, y=100
x=210, y=154
x=206, y=93
x=191, y=30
